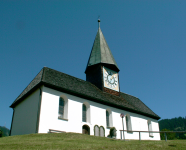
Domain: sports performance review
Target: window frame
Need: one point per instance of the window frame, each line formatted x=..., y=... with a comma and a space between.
x=88, y=116
x=84, y=112
x=109, y=122
x=65, y=108
x=61, y=112
x=107, y=119
x=149, y=124
x=128, y=123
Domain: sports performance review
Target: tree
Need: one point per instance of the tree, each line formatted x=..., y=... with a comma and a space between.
x=170, y=136
x=5, y=131
x=1, y=133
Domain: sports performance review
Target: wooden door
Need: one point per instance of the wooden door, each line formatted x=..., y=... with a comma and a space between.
x=86, y=130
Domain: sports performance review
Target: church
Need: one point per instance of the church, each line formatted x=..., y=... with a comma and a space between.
x=57, y=102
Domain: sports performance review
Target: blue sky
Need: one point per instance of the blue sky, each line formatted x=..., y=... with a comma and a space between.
x=147, y=39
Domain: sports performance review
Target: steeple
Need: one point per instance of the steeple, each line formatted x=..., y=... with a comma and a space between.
x=100, y=53
x=102, y=70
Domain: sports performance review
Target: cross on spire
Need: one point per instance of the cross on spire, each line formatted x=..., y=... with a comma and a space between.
x=99, y=23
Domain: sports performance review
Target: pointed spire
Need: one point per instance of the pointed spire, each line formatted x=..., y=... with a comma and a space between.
x=101, y=52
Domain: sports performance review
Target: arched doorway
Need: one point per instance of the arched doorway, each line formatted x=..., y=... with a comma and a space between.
x=86, y=129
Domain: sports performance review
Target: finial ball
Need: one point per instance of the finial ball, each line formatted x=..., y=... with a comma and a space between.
x=99, y=20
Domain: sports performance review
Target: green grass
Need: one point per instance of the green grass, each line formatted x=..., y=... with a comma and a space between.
x=82, y=142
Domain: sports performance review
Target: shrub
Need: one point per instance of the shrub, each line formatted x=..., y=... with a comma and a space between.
x=170, y=136
x=1, y=133
x=112, y=132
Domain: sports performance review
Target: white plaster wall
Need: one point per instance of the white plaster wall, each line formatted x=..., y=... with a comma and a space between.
x=25, y=115
x=49, y=117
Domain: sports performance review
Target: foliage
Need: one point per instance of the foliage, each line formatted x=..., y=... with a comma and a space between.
x=112, y=132
x=77, y=141
x=5, y=131
x=1, y=133
x=170, y=136
x=174, y=124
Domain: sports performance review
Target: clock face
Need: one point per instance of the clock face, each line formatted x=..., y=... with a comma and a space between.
x=110, y=79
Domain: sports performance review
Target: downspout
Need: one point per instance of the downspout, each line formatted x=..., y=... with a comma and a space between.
x=38, y=111
x=12, y=122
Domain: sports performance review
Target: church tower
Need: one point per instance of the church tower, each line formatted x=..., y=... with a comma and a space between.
x=102, y=70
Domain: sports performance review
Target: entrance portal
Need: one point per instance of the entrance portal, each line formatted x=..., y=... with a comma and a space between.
x=86, y=129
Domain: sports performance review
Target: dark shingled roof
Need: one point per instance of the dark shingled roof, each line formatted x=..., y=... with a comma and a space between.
x=72, y=85
x=101, y=53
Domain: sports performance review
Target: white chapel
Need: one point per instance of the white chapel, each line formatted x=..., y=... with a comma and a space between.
x=57, y=102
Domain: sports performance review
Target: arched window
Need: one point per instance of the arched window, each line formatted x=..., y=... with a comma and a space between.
x=150, y=127
x=61, y=108
x=84, y=115
x=102, y=131
x=86, y=112
x=107, y=118
x=128, y=123
x=96, y=130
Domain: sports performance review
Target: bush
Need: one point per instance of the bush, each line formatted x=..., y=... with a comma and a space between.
x=170, y=136
x=1, y=133
x=112, y=132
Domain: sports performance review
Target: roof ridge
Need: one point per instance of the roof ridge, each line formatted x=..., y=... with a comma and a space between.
x=66, y=74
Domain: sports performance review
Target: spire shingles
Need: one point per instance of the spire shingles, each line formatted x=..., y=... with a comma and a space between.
x=100, y=52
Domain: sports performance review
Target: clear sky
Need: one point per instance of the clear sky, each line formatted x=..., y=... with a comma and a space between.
x=147, y=39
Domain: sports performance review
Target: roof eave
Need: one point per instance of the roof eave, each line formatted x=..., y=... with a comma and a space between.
x=110, y=66
x=14, y=104
x=79, y=95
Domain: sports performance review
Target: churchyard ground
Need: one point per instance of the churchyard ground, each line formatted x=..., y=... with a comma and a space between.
x=83, y=142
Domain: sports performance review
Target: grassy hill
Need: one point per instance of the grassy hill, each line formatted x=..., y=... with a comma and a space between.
x=82, y=142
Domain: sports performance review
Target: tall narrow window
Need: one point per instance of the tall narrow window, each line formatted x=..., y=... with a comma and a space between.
x=61, y=108
x=107, y=118
x=84, y=115
x=150, y=128
x=127, y=123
